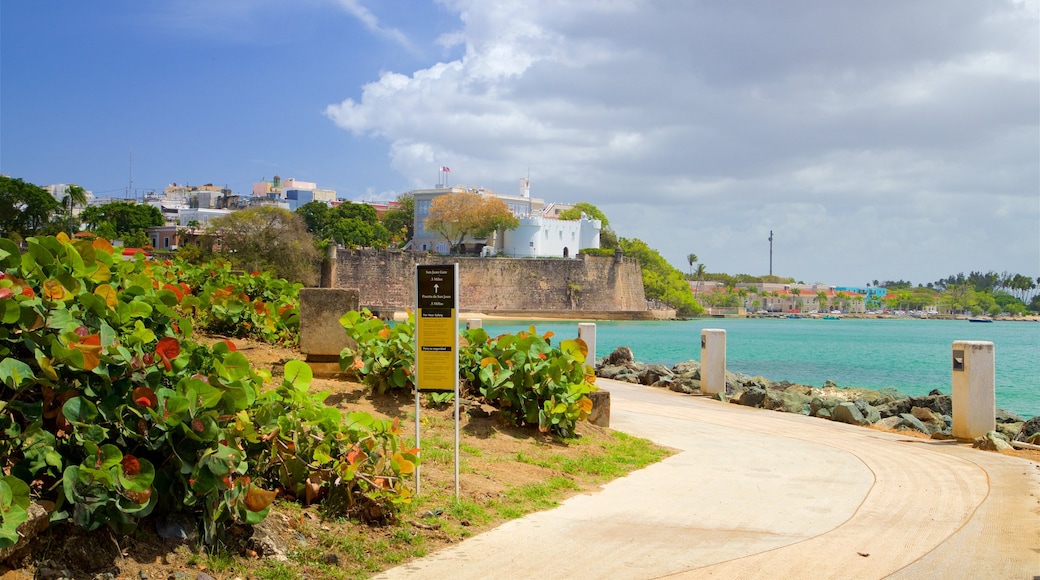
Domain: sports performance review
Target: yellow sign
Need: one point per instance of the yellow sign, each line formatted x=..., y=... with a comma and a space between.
x=437, y=328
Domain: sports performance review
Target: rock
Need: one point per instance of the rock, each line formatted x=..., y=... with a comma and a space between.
x=925, y=415
x=942, y=435
x=752, y=397
x=686, y=386
x=822, y=413
x=690, y=368
x=1003, y=416
x=914, y=423
x=653, y=373
x=774, y=400
x=894, y=408
x=621, y=356
x=890, y=422
x=1009, y=430
x=1029, y=428
x=992, y=441
x=600, y=414
x=720, y=397
x=848, y=413
x=795, y=401
x=870, y=413
x=177, y=527
x=27, y=530
x=941, y=404
x=268, y=537
x=818, y=403
x=627, y=377
x=890, y=395
x=609, y=371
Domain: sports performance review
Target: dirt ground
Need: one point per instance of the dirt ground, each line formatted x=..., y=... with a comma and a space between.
x=490, y=471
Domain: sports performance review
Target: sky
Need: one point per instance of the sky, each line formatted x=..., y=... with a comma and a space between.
x=883, y=140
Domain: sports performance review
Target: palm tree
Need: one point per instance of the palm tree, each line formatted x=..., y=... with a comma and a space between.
x=692, y=259
x=74, y=196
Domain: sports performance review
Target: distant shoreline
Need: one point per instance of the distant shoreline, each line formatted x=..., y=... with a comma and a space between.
x=570, y=315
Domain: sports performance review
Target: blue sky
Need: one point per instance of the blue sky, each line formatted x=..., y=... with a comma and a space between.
x=879, y=140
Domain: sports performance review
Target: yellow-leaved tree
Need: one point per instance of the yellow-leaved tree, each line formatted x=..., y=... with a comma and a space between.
x=457, y=216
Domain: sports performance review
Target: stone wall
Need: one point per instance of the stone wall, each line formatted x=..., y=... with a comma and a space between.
x=386, y=280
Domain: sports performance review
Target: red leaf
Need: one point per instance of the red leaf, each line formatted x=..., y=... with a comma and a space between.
x=131, y=466
x=230, y=345
x=167, y=348
x=6, y=293
x=145, y=397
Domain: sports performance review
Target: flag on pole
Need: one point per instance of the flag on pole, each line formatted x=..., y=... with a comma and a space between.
x=445, y=169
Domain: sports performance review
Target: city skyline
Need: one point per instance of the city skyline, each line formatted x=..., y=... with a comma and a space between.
x=891, y=140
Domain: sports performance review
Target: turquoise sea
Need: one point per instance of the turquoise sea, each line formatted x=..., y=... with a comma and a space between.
x=911, y=355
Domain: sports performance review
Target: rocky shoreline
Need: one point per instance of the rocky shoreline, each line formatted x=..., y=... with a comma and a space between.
x=887, y=408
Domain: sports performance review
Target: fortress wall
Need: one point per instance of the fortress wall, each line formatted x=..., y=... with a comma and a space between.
x=386, y=280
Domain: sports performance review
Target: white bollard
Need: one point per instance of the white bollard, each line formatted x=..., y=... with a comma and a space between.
x=474, y=323
x=713, y=361
x=587, y=332
x=974, y=389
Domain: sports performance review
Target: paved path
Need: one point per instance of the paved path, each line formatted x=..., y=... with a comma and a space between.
x=762, y=494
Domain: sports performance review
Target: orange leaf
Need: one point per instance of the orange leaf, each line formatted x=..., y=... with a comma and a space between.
x=145, y=397
x=230, y=345
x=585, y=404
x=108, y=294
x=53, y=290
x=257, y=499
x=103, y=245
x=90, y=346
x=176, y=290
x=6, y=293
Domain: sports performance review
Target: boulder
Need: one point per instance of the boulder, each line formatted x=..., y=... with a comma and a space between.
x=684, y=385
x=689, y=368
x=894, y=408
x=822, y=413
x=627, y=376
x=992, y=441
x=1003, y=416
x=1029, y=428
x=652, y=373
x=1009, y=430
x=610, y=371
x=914, y=423
x=817, y=403
x=752, y=397
x=941, y=404
x=622, y=356
x=720, y=397
x=870, y=413
x=848, y=413
x=925, y=415
x=890, y=422
x=795, y=401
x=774, y=400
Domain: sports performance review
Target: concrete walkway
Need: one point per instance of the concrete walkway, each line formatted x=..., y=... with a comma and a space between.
x=762, y=494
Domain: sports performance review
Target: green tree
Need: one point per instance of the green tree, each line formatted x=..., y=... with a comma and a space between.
x=457, y=216
x=122, y=217
x=353, y=225
x=25, y=208
x=400, y=222
x=269, y=239
x=692, y=259
x=608, y=239
x=661, y=280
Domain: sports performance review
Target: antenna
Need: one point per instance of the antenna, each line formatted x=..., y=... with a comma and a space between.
x=770, y=252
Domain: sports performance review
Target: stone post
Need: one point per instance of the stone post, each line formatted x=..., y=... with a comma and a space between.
x=587, y=332
x=974, y=389
x=713, y=361
x=328, y=267
x=321, y=335
x=474, y=323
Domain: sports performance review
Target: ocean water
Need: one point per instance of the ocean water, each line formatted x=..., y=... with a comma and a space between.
x=913, y=356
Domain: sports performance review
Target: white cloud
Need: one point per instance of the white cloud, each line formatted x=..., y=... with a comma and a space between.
x=880, y=140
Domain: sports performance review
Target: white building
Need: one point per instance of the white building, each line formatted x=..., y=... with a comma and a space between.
x=539, y=234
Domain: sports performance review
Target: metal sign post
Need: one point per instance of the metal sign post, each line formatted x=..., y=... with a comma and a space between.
x=437, y=342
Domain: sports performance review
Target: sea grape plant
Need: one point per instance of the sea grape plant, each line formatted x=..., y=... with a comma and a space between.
x=110, y=410
x=532, y=382
x=384, y=355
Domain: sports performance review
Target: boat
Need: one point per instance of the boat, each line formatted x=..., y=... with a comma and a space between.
x=980, y=319
x=831, y=317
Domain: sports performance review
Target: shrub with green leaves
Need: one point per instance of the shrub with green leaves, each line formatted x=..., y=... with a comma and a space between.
x=111, y=411
x=385, y=353
x=532, y=382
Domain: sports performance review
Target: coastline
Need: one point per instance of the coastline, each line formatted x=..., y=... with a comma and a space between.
x=582, y=316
